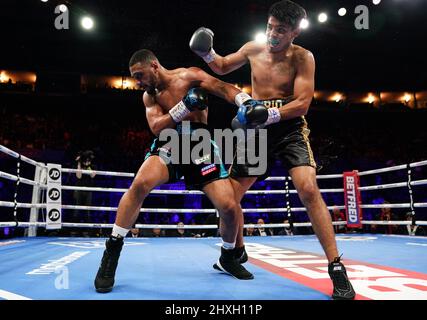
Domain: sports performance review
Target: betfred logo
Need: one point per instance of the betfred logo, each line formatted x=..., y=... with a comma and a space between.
x=370, y=281
x=352, y=199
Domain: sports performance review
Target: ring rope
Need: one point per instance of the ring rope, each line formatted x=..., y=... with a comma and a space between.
x=168, y=226
x=23, y=158
x=171, y=210
x=292, y=191
x=280, y=178
x=14, y=178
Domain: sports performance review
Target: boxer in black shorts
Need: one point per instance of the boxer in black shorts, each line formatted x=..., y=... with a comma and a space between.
x=172, y=98
x=287, y=141
x=280, y=68
x=196, y=174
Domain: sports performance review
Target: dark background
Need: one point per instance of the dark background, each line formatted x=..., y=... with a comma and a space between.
x=388, y=56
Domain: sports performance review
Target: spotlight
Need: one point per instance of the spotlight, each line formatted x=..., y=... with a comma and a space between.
x=342, y=12
x=44, y=0
x=376, y=2
x=63, y=8
x=261, y=38
x=304, y=24
x=87, y=23
x=323, y=17
x=3, y=77
x=337, y=97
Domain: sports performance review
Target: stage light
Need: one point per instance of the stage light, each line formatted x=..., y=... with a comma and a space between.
x=3, y=77
x=376, y=2
x=337, y=97
x=87, y=23
x=342, y=12
x=323, y=17
x=304, y=24
x=63, y=8
x=261, y=38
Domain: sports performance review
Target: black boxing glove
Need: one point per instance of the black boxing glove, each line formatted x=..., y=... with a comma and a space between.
x=253, y=113
x=195, y=99
x=201, y=43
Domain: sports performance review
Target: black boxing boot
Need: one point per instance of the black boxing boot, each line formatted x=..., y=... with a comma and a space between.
x=343, y=290
x=240, y=254
x=229, y=264
x=104, y=280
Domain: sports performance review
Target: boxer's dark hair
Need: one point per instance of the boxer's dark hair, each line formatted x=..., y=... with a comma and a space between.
x=288, y=12
x=143, y=56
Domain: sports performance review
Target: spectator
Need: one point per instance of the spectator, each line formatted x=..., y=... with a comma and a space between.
x=212, y=219
x=195, y=233
x=286, y=231
x=338, y=215
x=262, y=231
x=157, y=233
x=249, y=232
x=179, y=232
x=134, y=233
x=411, y=229
x=83, y=198
x=387, y=215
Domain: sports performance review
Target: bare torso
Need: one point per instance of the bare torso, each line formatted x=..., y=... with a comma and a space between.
x=175, y=91
x=273, y=75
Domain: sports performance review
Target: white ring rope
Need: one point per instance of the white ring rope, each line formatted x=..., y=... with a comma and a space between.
x=100, y=173
x=23, y=158
x=293, y=191
x=328, y=176
x=209, y=226
x=132, y=175
x=12, y=177
x=170, y=210
x=170, y=192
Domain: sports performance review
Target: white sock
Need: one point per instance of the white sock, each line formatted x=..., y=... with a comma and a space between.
x=228, y=245
x=119, y=231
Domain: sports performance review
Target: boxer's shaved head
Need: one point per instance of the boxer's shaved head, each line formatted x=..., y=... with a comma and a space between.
x=288, y=12
x=142, y=56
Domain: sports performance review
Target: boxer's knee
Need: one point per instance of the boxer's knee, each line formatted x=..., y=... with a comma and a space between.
x=229, y=209
x=140, y=188
x=308, y=193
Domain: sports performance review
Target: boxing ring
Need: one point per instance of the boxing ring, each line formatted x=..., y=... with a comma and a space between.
x=380, y=267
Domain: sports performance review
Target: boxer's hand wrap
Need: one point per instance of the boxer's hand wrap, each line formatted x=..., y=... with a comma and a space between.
x=179, y=112
x=241, y=98
x=201, y=43
x=195, y=99
x=273, y=116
